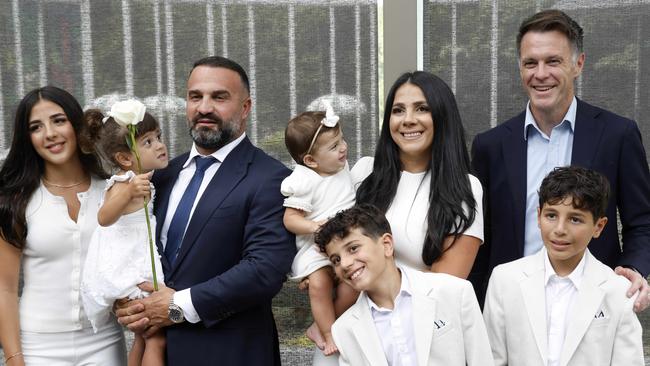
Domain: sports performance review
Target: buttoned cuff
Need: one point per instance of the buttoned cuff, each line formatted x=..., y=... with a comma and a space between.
x=183, y=299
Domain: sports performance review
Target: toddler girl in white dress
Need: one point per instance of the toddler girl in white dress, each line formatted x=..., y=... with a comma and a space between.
x=318, y=188
x=119, y=255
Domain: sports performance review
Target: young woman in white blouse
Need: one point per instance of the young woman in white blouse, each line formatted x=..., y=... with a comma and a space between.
x=49, y=196
x=420, y=178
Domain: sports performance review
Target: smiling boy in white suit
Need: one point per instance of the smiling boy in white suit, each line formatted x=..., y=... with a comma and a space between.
x=402, y=316
x=561, y=306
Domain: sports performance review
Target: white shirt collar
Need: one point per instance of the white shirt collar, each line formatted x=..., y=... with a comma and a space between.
x=405, y=290
x=220, y=154
x=575, y=276
x=570, y=116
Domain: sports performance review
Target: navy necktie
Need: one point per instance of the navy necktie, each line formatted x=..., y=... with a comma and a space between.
x=182, y=215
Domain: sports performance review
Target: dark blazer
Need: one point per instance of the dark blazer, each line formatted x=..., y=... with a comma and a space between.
x=235, y=256
x=603, y=141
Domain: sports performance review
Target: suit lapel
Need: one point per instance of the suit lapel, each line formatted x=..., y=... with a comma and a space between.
x=163, y=191
x=589, y=299
x=229, y=174
x=424, y=315
x=587, y=135
x=366, y=333
x=514, y=157
x=534, y=295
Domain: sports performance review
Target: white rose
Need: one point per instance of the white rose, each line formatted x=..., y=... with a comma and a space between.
x=128, y=112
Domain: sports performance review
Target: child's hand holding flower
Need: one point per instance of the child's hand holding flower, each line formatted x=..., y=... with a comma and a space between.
x=140, y=185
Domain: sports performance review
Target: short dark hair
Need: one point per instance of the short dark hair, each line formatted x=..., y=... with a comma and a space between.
x=588, y=189
x=364, y=217
x=552, y=20
x=300, y=131
x=218, y=61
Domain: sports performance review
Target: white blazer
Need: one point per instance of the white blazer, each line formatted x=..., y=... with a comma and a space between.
x=449, y=329
x=602, y=329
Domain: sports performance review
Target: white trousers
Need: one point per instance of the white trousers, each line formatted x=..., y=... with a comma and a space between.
x=76, y=348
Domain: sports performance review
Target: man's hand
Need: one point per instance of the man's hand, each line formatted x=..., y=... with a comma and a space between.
x=149, y=314
x=130, y=313
x=639, y=284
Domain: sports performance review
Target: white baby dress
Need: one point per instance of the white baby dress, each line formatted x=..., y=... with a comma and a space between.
x=320, y=198
x=118, y=260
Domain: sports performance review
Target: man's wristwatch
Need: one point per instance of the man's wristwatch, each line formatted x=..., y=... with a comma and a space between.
x=174, y=312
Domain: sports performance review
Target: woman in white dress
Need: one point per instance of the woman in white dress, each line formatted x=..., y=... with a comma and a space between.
x=49, y=196
x=420, y=178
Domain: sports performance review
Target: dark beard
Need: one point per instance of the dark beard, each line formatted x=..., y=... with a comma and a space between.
x=210, y=139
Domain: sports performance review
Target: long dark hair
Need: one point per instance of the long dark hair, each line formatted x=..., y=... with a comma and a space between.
x=23, y=167
x=448, y=164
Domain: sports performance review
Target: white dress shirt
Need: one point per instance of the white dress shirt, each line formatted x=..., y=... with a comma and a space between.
x=395, y=327
x=560, y=299
x=183, y=298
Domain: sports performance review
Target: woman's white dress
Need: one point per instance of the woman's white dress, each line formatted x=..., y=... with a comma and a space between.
x=53, y=323
x=407, y=214
x=321, y=198
x=118, y=260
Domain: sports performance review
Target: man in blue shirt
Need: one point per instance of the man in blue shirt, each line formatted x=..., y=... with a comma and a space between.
x=558, y=129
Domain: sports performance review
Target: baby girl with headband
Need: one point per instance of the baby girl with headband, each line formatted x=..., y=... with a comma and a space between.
x=319, y=187
x=119, y=256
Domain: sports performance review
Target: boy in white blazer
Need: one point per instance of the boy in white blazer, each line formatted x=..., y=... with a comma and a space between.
x=561, y=306
x=402, y=316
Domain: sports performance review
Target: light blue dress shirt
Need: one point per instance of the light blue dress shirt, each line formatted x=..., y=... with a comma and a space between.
x=544, y=153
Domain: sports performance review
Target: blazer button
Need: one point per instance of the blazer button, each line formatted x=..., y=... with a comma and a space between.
x=170, y=283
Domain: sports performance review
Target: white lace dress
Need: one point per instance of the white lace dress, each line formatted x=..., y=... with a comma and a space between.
x=321, y=198
x=118, y=260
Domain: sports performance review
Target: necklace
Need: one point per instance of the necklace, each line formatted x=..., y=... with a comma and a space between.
x=62, y=186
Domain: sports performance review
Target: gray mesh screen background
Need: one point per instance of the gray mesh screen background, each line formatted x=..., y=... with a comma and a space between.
x=295, y=52
x=471, y=45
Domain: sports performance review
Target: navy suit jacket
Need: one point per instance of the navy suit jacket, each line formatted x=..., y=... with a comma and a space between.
x=603, y=141
x=234, y=257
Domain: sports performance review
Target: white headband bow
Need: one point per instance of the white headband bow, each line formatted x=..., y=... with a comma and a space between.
x=330, y=121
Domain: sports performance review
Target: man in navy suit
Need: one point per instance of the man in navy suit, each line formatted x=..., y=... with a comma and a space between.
x=232, y=252
x=557, y=129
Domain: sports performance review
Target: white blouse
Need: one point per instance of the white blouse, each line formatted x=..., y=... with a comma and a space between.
x=407, y=214
x=52, y=260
